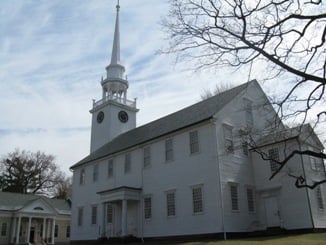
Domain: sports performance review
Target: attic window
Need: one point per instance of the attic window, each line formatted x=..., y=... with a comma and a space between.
x=38, y=208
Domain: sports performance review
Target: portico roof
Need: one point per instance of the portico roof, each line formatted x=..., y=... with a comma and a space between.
x=120, y=193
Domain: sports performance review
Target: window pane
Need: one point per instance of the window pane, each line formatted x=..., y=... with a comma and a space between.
x=234, y=197
x=147, y=156
x=56, y=230
x=194, y=143
x=95, y=173
x=228, y=139
x=4, y=229
x=68, y=231
x=80, y=216
x=109, y=214
x=274, y=156
x=94, y=215
x=197, y=200
x=251, y=200
x=170, y=202
x=110, y=168
x=82, y=177
x=148, y=207
x=319, y=197
x=169, y=150
x=127, y=163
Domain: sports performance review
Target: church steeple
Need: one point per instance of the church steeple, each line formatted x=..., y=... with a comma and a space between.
x=115, y=85
x=114, y=114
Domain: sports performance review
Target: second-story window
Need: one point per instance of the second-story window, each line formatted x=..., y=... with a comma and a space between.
x=194, y=142
x=110, y=168
x=274, y=157
x=95, y=173
x=228, y=138
x=169, y=150
x=127, y=163
x=82, y=177
x=248, y=112
x=147, y=156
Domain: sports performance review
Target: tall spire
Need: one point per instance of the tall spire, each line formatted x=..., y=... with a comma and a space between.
x=115, y=85
x=115, y=57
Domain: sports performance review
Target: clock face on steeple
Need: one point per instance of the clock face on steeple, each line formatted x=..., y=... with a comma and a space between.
x=123, y=116
x=100, y=117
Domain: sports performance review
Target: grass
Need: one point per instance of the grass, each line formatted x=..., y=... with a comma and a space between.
x=306, y=239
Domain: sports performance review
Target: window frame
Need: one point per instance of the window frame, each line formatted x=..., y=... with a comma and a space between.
x=251, y=199
x=80, y=216
x=319, y=198
x=68, y=231
x=194, y=142
x=228, y=138
x=273, y=155
x=82, y=176
x=170, y=203
x=127, y=163
x=146, y=156
x=4, y=229
x=234, y=197
x=169, y=153
x=197, y=200
x=95, y=172
x=94, y=215
x=110, y=168
x=147, y=204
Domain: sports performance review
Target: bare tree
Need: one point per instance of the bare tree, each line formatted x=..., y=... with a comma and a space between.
x=27, y=172
x=219, y=88
x=286, y=37
x=62, y=189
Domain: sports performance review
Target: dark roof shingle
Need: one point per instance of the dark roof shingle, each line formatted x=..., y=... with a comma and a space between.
x=184, y=118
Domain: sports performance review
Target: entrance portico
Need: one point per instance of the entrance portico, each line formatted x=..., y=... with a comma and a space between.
x=121, y=211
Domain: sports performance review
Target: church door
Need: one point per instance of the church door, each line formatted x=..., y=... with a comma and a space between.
x=272, y=211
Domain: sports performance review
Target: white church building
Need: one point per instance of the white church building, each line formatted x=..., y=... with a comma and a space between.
x=191, y=172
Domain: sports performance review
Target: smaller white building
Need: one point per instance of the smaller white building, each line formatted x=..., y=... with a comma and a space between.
x=191, y=172
x=33, y=219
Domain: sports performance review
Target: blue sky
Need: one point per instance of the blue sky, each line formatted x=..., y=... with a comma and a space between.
x=53, y=54
x=52, y=57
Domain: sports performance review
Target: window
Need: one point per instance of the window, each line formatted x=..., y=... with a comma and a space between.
x=109, y=214
x=273, y=155
x=94, y=215
x=80, y=216
x=95, y=173
x=169, y=150
x=82, y=177
x=316, y=164
x=228, y=139
x=56, y=230
x=234, y=197
x=170, y=203
x=248, y=112
x=197, y=200
x=319, y=197
x=110, y=168
x=194, y=142
x=68, y=231
x=127, y=163
x=4, y=229
x=251, y=200
x=147, y=156
x=245, y=149
x=147, y=208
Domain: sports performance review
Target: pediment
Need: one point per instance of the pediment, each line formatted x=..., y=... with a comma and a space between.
x=38, y=206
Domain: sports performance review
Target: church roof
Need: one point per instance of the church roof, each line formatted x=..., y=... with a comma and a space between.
x=15, y=201
x=186, y=117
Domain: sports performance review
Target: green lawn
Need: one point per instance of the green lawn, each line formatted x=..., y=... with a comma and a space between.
x=307, y=239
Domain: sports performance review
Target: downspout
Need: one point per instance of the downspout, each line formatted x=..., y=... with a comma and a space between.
x=304, y=175
x=219, y=179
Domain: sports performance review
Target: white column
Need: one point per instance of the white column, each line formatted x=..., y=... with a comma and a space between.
x=13, y=232
x=103, y=233
x=52, y=233
x=124, y=218
x=18, y=230
x=44, y=230
x=28, y=231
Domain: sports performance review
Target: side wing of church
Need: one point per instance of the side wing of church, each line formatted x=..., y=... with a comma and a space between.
x=191, y=172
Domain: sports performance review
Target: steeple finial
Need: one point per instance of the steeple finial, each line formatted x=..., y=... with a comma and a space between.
x=115, y=57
